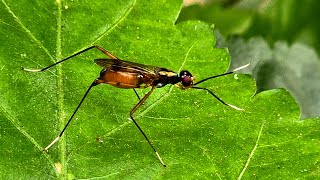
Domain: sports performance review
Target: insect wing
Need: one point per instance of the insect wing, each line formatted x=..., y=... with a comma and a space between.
x=126, y=66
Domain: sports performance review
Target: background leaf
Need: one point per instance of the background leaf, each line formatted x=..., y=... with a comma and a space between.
x=197, y=136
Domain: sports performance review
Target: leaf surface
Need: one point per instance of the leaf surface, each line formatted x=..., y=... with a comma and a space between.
x=197, y=136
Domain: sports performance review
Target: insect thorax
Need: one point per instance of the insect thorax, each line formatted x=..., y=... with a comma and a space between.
x=166, y=77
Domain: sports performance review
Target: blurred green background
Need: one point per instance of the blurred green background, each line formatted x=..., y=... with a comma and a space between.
x=280, y=38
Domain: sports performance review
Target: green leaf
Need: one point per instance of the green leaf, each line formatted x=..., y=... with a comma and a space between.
x=196, y=136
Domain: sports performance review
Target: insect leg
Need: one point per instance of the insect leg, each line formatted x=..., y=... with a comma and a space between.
x=136, y=93
x=230, y=105
x=65, y=127
x=145, y=136
x=75, y=54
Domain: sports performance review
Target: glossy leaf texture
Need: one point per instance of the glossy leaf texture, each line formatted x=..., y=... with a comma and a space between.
x=197, y=137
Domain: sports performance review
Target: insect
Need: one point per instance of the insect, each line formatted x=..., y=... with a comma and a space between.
x=130, y=75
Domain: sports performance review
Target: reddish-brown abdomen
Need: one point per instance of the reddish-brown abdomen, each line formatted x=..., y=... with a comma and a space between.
x=125, y=79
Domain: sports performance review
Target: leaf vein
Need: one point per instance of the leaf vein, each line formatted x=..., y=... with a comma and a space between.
x=186, y=56
x=15, y=123
x=127, y=12
x=27, y=30
x=252, y=152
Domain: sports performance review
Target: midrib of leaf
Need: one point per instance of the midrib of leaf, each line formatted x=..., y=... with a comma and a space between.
x=60, y=95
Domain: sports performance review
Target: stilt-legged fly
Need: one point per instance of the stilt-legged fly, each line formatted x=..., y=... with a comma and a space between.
x=130, y=75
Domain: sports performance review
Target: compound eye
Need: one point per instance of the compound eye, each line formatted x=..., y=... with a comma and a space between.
x=186, y=78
